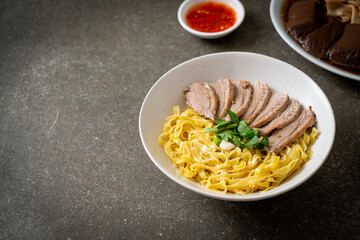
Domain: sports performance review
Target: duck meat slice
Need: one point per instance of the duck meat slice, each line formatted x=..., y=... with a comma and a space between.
x=203, y=99
x=286, y=117
x=277, y=104
x=242, y=97
x=225, y=92
x=282, y=137
x=260, y=99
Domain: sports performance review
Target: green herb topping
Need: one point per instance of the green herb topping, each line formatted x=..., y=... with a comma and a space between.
x=237, y=132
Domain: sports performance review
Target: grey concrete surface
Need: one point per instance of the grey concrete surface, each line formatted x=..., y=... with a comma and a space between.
x=73, y=75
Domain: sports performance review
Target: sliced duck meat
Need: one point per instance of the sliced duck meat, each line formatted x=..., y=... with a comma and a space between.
x=242, y=97
x=346, y=51
x=225, y=92
x=260, y=99
x=319, y=41
x=282, y=137
x=203, y=99
x=290, y=114
x=303, y=18
x=277, y=104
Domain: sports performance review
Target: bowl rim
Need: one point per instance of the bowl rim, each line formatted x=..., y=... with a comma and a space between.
x=237, y=6
x=275, y=15
x=234, y=197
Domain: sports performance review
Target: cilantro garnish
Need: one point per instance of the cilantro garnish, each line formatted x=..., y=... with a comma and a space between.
x=237, y=132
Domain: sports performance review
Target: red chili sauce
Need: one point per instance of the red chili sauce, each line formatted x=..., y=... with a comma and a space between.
x=210, y=17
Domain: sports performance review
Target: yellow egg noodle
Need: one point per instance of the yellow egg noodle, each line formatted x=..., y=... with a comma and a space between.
x=239, y=171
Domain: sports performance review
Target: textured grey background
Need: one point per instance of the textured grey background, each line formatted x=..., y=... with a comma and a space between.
x=73, y=75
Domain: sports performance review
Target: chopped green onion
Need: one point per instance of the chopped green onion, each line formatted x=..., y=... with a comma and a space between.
x=237, y=132
x=217, y=140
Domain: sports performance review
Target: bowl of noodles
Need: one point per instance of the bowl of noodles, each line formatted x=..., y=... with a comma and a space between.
x=196, y=163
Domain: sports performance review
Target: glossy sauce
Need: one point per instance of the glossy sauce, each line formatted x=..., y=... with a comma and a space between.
x=210, y=17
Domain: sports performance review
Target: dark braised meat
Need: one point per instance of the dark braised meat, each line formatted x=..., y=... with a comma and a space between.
x=319, y=41
x=346, y=51
x=303, y=18
x=329, y=30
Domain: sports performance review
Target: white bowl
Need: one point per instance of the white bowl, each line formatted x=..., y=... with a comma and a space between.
x=275, y=14
x=187, y=4
x=281, y=77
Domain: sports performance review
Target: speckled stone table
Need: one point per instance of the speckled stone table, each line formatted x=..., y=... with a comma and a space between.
x=73, y=75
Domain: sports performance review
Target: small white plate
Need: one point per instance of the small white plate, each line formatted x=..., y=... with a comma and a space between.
x=281, y=77
x=234, y=4
x=275, y=14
